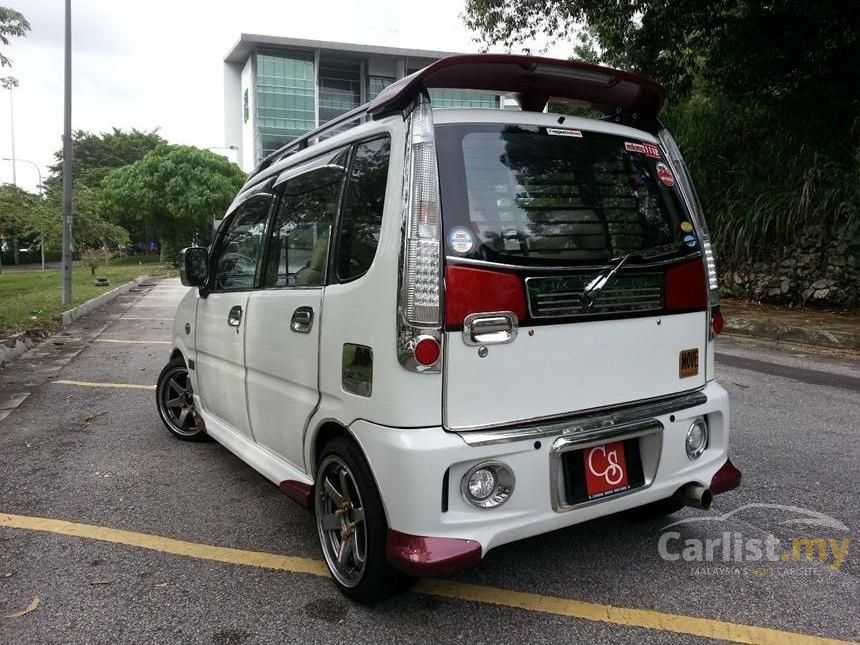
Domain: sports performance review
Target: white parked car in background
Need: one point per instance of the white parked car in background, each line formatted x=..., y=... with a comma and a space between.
x=445, y=330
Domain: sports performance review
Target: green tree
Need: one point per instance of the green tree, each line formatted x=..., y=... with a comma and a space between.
x=174, y=193
x=95, y=155
x=13, y=24
x=764, y=99
x=15, y=207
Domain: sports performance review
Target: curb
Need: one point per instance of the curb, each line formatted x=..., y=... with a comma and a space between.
x=84, y=308
x=17, y=344
x=791, y=333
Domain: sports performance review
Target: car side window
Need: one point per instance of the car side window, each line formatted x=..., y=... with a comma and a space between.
x=298, y=248
x=361, y=215
x=235, y=266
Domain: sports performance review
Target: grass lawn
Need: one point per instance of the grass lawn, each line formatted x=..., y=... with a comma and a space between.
x=32, y=300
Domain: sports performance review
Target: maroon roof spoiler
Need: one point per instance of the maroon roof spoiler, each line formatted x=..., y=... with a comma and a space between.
x=533, y=79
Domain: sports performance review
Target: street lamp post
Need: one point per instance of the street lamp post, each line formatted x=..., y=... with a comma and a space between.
x=41, y=185
x=67, y=160
x=8, y=83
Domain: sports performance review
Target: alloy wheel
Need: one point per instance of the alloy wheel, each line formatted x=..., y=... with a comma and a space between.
x=176, y=399
x=341, y=521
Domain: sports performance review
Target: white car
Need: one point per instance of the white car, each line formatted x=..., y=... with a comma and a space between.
x=445, y=330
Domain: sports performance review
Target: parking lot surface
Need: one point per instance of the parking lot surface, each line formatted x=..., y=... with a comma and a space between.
x=125, y=534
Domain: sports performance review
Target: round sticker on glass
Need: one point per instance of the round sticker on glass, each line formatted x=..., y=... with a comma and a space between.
x=460, y=239
x=665, y=175
x=686, y=227
x=689, y=240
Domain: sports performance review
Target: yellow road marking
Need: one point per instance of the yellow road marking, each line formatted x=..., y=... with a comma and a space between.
x=648, y=619
x=134, y=342
x=130, y=318
x=128, y=386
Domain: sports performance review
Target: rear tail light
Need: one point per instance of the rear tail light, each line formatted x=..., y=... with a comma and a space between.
x=685, y=287
x=688, y=191
x=717, y=322
x=470, y=291
x=427, y=351
x=419, y=302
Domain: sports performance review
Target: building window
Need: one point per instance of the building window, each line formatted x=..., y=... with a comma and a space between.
x=375, y=84
x=285, y=99
x=463, y=99
x=340, y=87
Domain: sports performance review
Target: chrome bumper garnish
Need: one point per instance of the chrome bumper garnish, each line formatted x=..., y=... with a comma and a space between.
x=594, y=425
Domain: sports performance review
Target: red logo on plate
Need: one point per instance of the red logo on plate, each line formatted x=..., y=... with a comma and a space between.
x=605, y=469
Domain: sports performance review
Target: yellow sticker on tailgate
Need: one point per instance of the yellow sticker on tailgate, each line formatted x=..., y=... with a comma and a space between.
x=688, y=362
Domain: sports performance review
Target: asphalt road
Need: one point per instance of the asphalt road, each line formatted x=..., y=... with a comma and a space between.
x=99, y=456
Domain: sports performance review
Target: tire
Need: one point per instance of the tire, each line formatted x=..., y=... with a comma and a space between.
x=175, y=401
x=346, y=499
x=655, y=510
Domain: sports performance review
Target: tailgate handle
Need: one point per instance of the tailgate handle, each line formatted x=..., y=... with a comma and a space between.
x=493, y=328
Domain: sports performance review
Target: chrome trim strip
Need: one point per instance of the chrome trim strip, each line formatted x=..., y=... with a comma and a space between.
x=584, y=425
x=454, y=260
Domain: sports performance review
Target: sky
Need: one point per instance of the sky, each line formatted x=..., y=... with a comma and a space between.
x=159, y=63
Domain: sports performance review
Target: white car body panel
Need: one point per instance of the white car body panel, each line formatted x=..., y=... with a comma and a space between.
x=563, y=368
x=281, y=369
x=220, y=354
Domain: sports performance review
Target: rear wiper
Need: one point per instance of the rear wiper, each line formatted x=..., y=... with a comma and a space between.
x=592, y=290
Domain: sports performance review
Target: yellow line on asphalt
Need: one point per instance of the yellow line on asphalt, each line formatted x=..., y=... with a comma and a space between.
x=127, y=386
x=648, y=619
x=130, y=318
x=133, y=342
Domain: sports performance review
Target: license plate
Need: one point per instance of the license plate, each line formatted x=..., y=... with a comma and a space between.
x=605, y=470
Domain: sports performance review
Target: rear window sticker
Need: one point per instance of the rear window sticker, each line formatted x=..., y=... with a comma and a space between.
x=646, y=149
x=689, y=240
x=686, y=227
x=665, y=175
x=562, y=132
x=460, y=239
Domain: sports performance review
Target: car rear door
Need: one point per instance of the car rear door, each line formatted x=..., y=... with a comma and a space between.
x=573, y=277
x=221, y=315
x=284, y=316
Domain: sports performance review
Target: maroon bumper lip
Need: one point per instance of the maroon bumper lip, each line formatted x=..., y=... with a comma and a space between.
x=424, y=557
x=299, y=492
x=727, y=478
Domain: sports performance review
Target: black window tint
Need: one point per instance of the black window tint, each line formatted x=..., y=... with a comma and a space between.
x=361, y=217
x=239, y=249
x=298, y=249
x=530, y=195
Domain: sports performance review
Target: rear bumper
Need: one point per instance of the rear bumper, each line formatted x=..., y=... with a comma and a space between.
x=423, y=504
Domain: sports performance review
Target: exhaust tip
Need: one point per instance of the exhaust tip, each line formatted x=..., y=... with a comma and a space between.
x=695, y=496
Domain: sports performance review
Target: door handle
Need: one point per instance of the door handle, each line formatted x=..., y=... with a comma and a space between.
x=302, y=320
x=234, y=318
x=493, y=328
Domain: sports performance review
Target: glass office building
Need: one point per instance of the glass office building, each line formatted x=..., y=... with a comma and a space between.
x=276, y=89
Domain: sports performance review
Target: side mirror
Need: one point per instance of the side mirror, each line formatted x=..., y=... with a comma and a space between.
x=194, y=266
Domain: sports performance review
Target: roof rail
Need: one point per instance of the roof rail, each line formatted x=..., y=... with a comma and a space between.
x=304, y=141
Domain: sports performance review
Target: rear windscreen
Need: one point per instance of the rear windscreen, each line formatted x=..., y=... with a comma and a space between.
x=536, y=195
